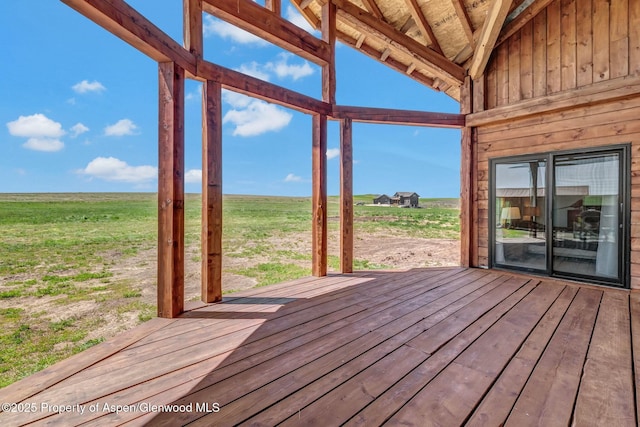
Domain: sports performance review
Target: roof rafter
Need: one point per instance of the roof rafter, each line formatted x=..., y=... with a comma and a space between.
x=423, y=24
x=263, y=23
x=373, y=8
x=463, y=16
x=429, y=59
x=490, y=31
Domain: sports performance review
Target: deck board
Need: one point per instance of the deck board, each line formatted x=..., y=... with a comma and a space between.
x=445, y=346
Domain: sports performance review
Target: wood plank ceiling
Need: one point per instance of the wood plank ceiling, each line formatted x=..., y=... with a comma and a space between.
x=436, y=42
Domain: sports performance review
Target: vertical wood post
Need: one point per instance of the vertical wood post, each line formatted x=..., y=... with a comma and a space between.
x=329, y=36
x=211, y=192
x=274, y=5
x=466, y=168
x=192, y=15
x=170, y=190
x=346, y=196
x=319, y=196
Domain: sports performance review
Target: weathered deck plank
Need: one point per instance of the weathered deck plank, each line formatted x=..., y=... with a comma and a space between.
x=429, y=346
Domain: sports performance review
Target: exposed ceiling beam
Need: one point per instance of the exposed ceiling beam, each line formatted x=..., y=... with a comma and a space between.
x=488, y=37
x=429, y=59
x=373, y=8
x=520, y=20
x=463, y=16
x=125, y=22
x=423, y=24
x=264, y=23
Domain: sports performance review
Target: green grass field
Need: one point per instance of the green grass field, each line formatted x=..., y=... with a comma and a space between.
x=58, y=253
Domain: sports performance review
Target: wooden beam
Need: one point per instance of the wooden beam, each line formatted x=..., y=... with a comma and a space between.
x=264, y=23
x=329, y=37
x=274, y=6
x=170, y=190
x=123, y=21
x=429, y=59
x=319, y=196
x=423, y=24
x=373, y=9
x=346, y=196
x=463, y=16
x=399, y=117
x=192, y=20
x=466, y=168
x=527, y=15
x=260, y=89
x=211, y=239
x=488, y=37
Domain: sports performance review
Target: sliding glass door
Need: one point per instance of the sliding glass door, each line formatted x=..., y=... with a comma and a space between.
x=520, y=230
x=562, y=214
x=587, y=226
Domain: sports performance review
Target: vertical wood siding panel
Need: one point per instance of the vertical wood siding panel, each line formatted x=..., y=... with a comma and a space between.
x=584, y=52
x=568, y=44
x=601, y=44
x=553, y=48
x=540, y=54
x=619, y=34
x=526, y=61
x=514, y=68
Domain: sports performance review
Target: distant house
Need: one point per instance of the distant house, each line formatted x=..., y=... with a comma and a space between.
x=382, y=199
x=404, y=198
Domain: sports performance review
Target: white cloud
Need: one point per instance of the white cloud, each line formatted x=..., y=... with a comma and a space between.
x=332, y=153
x=44, y=144
x=86, y=86
x=235, y=99
x=213, y=26
x=78, y=129
x=257, y=117
x=112, y=169
x=292, y=178
x=35, y=126
x=193, y=176
x=255, y=70
x=292, y=15
x=283, y=69
x=121, y=128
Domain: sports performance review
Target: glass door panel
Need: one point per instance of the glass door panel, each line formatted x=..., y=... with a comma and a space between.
x=519, y=232
x=586, y=215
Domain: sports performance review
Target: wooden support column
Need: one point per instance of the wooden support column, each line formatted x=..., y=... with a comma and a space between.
x=329, y=69
x=319, y=196
x=274, y=6
x=346, y=196
x=466, y=168
x=193, y=35
x=212, y=192
x=170, y=190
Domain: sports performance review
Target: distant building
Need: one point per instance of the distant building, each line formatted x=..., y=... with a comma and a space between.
x=382, y=199
x=404, y=198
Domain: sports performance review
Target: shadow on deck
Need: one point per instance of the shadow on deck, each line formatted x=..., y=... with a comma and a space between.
x=446, y=346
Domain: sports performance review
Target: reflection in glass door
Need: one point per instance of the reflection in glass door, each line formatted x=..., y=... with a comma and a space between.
x=586, y=218
x=520, y=230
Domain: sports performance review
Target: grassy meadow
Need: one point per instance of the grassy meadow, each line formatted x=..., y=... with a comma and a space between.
x=64, y=259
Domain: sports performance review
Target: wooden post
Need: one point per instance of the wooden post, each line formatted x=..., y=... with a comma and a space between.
x=274, y=5
x=466, y=168
x=170, y=190
x=192, y=15
x=346, y=196
x=211, y=192
x=319, y=196
x=329, y=36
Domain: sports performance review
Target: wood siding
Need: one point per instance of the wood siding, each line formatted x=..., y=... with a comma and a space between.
x=567, y=79
x=570, y=44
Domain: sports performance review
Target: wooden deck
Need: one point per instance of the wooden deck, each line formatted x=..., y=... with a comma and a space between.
x=425, y=347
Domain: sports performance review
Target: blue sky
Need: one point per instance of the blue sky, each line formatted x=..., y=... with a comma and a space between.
x=79, y=112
